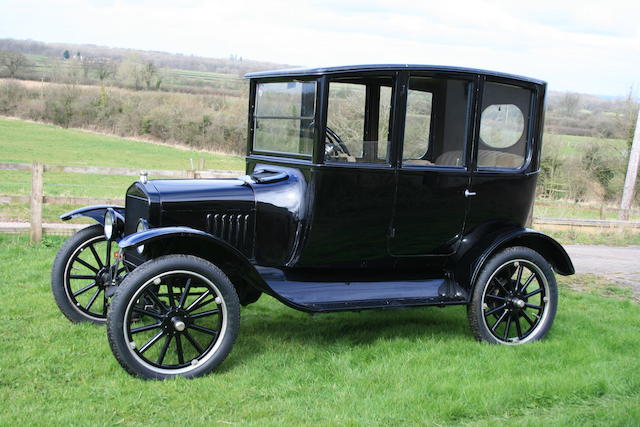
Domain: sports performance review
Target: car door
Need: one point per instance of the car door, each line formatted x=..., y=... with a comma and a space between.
x=354, y=187
x=503, y=184
x=432, y=174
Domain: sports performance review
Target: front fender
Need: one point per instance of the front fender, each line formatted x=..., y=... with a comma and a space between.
x=475, y=255
x=154, y=234
x=190, y=241
x=95, y=212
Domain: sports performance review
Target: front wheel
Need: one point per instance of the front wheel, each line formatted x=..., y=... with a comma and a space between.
x=515, y=298
x=176, y=315
x=81, y=274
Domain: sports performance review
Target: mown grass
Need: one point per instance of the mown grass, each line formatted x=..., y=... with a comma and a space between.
x=25, y=142
x=599, y=237
x=418, y=366
x=564, y=210
x=572, y=145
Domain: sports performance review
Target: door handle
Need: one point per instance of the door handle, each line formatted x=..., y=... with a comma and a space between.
x=468, y=193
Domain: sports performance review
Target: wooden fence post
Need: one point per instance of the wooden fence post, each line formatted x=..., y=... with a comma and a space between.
x=37, y=172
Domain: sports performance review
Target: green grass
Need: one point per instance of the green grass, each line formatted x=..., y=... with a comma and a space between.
x=565, y=210
x=418, y=366
x=571, y=145
x=24, y=142
x=598, y=237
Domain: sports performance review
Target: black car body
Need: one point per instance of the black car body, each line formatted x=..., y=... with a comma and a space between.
x=371, y=186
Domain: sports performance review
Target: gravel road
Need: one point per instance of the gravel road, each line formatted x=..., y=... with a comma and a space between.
x=619, y=264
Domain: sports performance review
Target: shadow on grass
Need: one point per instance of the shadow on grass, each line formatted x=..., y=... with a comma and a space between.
x=263, y=329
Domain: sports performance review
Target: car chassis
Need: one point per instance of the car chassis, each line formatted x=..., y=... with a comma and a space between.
x=366, y=187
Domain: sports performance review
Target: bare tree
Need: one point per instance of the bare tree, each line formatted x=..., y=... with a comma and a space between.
x=13, y=61
x=149, y=71
x=104, y=70
x=570, y=103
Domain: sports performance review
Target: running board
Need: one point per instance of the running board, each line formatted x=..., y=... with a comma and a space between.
x=337, y=295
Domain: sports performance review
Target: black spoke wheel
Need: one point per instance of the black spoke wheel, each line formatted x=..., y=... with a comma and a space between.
x=81, y=274
x=515, y=298
x=174, y=315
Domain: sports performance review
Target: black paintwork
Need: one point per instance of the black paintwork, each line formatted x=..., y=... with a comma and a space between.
x=95, y=212
x=327, y=237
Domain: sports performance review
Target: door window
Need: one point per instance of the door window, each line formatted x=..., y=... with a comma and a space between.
x=435, y=131
x=358, y=116
x=504, y=126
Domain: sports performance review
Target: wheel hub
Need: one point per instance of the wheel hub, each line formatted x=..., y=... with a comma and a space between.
x=176, y=320
x=516, y=302
x=103, y=276
x=178, y=324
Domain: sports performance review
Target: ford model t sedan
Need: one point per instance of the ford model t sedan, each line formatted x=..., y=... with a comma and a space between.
x=366, y=187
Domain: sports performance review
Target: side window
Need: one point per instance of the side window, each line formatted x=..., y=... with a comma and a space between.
x=435, y=130
x=504, y=126
x=358, y=115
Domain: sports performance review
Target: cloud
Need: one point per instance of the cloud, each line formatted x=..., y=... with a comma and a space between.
x=579, y=46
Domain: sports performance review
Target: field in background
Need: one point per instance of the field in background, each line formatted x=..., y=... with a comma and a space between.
x=25, y=142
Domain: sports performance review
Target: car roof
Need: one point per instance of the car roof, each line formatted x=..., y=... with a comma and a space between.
x=299, y=72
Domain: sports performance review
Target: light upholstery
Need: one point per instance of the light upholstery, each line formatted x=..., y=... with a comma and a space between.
x=487, y=158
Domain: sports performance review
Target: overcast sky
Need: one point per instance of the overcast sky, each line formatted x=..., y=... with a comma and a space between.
x=583, y=46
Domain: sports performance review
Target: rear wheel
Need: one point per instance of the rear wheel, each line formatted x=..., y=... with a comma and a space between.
x=515, y=298
x=176, y=315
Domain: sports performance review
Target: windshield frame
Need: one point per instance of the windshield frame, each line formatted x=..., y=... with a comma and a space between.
x=252, y=119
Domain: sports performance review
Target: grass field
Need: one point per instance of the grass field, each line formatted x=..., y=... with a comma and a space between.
x=24, y=142
x=418, y=366
x=571, y=145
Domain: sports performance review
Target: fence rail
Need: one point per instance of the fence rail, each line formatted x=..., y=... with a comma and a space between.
x=37, y=199
x=603, y=208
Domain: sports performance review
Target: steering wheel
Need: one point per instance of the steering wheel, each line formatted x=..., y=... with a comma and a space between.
x=334, y=144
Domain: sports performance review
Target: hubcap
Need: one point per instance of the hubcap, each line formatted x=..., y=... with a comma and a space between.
x=178, y=324
x=516, y=302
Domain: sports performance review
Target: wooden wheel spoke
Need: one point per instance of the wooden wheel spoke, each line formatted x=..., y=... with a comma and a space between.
x=96, y=256
x=194, y=305
x=164, y=349
x=527, y=283
x=193, y=342
x=93, y=299
x=204, y=330
x=86, y=264
x=179, y=350
x=151, y=342
x=204, y=314
x=495, y=310
x=145, y=328
x=85, y=289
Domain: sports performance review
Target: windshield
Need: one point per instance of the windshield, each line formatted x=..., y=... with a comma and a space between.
x=284, y=117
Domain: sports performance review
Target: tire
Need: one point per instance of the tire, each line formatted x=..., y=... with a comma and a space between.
x=176, y=315
x=515, y=298
x=81, y=296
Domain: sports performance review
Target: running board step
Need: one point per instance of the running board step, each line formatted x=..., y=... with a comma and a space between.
x=337, y=295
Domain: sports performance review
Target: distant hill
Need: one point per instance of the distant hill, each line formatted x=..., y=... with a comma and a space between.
x=233, y=65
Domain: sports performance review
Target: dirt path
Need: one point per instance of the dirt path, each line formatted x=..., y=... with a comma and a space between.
x=619, y=264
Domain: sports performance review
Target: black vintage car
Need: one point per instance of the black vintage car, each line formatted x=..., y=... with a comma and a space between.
x=376, y=186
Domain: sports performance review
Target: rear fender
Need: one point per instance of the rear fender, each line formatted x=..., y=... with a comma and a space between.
x=95, y=212
x=468, y=265
x=189, y=241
